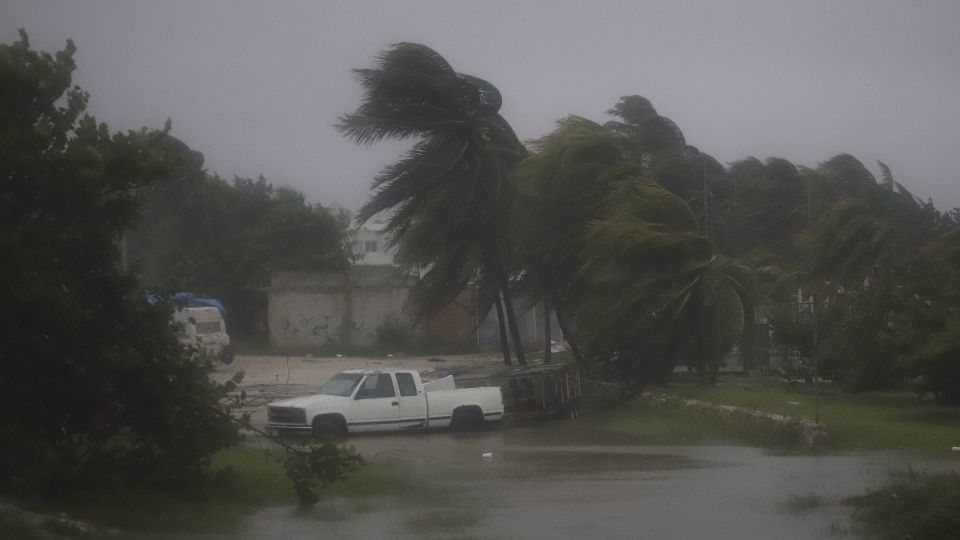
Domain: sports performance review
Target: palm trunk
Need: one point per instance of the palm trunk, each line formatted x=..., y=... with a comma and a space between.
x=512, y=321
x=504, y=344
x=546, y=332
x=568, y=335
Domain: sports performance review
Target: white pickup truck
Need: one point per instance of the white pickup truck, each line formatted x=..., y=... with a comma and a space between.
x=363, y=400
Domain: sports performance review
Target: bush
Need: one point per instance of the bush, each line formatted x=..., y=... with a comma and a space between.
x=919, y=508
x=94, y=386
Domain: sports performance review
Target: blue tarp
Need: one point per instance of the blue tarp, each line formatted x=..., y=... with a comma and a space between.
x=189, y=299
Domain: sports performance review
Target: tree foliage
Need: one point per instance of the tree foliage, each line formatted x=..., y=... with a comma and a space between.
x=203, y=234
x=601, y=239
x=93, y=386
x=447, y=198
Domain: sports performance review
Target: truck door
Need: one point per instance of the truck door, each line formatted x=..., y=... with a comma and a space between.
x=375, y=406
x=413, y=402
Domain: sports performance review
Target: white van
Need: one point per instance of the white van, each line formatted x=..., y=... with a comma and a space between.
x=204, y=329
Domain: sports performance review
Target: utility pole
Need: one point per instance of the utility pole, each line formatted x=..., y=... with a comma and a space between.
x=813, y=312
x=706, y=198
x=816, y=362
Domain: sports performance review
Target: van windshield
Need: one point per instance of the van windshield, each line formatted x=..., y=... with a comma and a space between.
x=342, y=384
x=208, y=327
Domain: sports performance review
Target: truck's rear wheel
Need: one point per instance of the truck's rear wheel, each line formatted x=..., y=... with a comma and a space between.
x=466, y=418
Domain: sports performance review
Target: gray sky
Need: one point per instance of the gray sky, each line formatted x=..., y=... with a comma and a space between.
x=257, y=86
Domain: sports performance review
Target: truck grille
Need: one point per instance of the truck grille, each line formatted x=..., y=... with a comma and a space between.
x=286, y=415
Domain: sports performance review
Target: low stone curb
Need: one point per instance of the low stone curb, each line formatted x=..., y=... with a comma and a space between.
x=806, y=432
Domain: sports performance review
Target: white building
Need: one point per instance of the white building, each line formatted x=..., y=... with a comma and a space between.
x=370, y=245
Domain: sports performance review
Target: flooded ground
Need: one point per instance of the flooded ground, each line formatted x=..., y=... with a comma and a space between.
x=560, y=480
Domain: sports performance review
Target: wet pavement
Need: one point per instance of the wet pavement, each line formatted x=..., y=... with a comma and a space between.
x=567, y=480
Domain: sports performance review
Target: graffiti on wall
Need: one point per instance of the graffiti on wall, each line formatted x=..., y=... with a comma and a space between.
x=316, y=326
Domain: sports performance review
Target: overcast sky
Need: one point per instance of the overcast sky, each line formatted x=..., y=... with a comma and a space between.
x=257, y=86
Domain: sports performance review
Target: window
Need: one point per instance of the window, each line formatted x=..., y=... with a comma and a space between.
x=406, y=384
x=370, y=246
x=342, y=384
x=377, y=385
x=208, y=327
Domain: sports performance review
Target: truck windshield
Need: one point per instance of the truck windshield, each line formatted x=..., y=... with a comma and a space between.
x=342, y=384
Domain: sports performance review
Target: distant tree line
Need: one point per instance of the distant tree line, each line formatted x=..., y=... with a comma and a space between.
x=203, y=234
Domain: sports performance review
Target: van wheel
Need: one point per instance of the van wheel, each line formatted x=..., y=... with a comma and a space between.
x=227, y=355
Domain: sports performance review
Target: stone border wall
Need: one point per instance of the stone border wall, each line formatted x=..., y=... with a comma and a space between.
x=805, y=432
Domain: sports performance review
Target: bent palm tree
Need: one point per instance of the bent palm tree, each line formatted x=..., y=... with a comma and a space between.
x=623, y=255
x=447, y=197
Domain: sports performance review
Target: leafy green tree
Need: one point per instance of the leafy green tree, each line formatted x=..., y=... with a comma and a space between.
x=448, y=198
x=877, y=333
x=93, y=384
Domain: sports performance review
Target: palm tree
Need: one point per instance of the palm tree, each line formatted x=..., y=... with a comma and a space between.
x=665, y=157
x=656, y=291
x=561, y=187
x=619, y=253
x=870, y=224
x=771, y=205
x=447, y=197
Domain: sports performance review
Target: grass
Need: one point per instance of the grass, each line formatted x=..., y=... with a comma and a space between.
x=918, y=508
x=248, y=481
x=854, y=421
x=655, y=426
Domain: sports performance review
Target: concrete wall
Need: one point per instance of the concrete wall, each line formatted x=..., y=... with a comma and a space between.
x=335, y=308
x=374, y=307
x=341, y=309
x=305, y=318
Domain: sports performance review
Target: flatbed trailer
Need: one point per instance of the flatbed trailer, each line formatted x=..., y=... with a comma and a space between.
x=535, y=388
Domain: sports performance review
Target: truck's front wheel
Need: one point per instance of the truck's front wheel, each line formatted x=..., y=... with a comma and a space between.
x=326, y=428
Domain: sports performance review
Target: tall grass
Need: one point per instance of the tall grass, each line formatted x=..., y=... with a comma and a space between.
x=854, y=421
x=245, y=479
